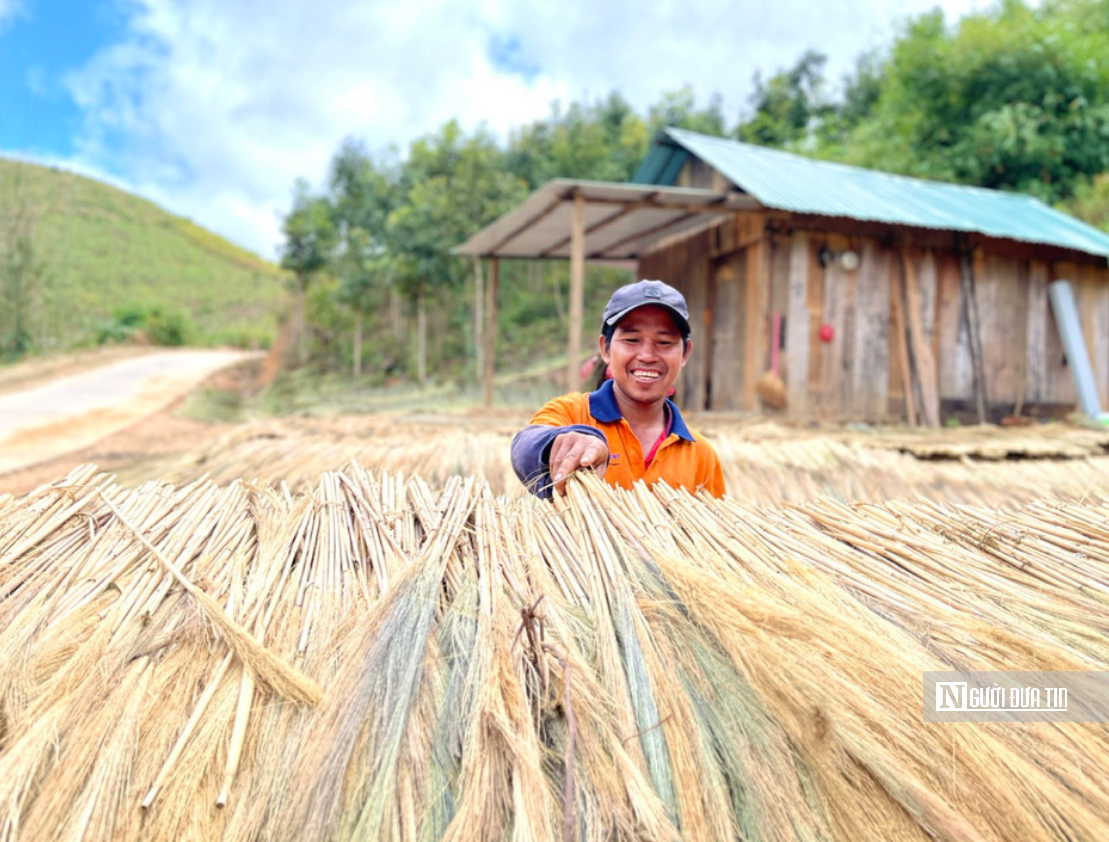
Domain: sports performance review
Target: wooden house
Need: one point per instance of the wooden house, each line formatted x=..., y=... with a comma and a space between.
x=892, y=298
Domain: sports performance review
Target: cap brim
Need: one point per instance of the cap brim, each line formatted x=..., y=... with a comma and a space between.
x=681, y=320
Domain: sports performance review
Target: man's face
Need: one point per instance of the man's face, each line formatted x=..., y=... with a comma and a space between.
x=646, y=354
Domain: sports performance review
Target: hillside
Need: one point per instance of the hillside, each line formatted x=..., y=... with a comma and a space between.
x=97, y=250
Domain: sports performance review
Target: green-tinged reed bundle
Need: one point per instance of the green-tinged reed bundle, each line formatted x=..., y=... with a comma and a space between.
x=615, y=665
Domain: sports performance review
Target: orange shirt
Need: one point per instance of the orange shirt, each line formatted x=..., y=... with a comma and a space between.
x=683, y=458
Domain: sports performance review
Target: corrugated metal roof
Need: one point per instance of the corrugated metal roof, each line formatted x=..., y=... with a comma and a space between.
x=785, y=181
x=620, y=219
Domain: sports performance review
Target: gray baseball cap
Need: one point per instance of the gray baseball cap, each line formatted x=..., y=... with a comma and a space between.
x=642, y=293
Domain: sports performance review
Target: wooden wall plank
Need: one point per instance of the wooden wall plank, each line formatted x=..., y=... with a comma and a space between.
x=729, y=332
x=1035, y=367
x=756, y=347
x=1059, y=385
x=1098, y=278
x=780, y=256
x=1002, y=291
x=692, y=392
x=797, y=325
x=927, y=283
x=953, y=362
x=814, y=303
x=1096, y=296
x=870, y=365
x=832, y=355
x=846, y=399
x=902, y=394
x=920, y=343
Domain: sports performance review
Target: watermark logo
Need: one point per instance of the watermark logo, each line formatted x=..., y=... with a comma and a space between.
x=1016, y=696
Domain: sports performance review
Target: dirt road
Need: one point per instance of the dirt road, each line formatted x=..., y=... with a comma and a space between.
x=73, y=411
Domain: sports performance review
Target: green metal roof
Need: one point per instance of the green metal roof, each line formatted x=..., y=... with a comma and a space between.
x=784, y=181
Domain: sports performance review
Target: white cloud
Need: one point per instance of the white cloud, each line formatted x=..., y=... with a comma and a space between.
x=213, y=108
x=9, y=9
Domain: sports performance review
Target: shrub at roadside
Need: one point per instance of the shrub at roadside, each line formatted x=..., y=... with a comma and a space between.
x=145, y=324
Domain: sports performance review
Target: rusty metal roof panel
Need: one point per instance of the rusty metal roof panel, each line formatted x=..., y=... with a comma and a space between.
x=789, y=182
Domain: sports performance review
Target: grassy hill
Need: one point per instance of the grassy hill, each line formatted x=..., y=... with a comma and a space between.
x=102, y=257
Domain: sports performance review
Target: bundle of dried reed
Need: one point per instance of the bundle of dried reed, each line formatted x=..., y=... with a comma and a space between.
x=617, y=665
x=764, y=463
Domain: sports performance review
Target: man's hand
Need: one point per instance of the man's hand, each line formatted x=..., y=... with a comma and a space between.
x=571, y=451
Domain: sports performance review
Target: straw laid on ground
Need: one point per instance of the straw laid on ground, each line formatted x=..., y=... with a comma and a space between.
x=618, y=665
x=764, y=463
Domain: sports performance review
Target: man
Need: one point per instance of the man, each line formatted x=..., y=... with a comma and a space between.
x=627, y=430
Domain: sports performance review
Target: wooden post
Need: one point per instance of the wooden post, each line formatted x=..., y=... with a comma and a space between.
x=490, y=331
x=577, y=291
x=479, y=321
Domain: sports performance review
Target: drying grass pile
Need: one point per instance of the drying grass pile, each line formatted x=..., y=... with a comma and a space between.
x=764, y=463
x=372, y=659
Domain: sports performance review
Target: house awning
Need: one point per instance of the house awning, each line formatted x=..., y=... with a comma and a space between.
x=621, y=220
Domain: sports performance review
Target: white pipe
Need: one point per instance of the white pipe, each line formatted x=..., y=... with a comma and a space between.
x=1074, y=346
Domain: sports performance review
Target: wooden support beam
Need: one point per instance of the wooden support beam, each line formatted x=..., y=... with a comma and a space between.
x=717, y=205
x=490, y=331
x=577, y=291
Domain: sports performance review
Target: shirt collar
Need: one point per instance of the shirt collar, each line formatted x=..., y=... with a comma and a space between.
x=602, y=406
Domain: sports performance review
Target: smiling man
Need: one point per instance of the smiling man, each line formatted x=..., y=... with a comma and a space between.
x=627, y=430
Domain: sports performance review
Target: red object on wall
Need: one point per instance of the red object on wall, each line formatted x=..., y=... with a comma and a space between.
x=827, y=332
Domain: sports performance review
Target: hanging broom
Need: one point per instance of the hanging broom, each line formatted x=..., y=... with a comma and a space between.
x=770, y=388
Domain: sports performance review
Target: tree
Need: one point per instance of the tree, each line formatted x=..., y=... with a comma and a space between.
x=788, y=106
x=450, y=186
x=678, y=109
x=605, y=140
x=309, y=241
x=362, y=196
x=1013, y=99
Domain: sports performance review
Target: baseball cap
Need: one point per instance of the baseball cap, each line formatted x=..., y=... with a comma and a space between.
x=642, y=293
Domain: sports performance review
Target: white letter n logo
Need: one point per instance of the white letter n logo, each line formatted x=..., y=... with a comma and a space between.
x=951, y=695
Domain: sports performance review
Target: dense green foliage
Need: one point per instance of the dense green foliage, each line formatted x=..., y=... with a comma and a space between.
x=1018, y=99
x=75, y=253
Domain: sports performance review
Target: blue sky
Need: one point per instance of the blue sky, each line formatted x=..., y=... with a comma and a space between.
x=35, y=55
x=213, y=108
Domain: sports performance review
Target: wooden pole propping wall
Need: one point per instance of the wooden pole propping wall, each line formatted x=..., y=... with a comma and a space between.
x=970, y=315
x=577, y=292
x=490, y=356
x=924, y=361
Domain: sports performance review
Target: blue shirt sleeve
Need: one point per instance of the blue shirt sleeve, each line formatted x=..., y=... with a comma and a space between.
x=531, y=454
